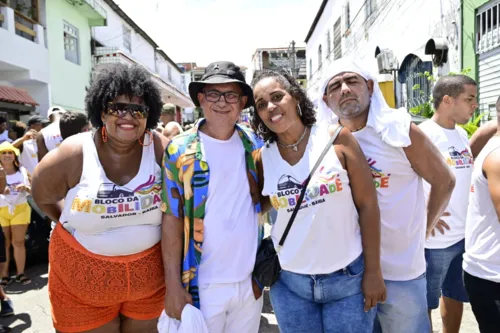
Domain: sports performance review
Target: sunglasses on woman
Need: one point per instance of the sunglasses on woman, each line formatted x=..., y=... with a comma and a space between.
x=120, y=110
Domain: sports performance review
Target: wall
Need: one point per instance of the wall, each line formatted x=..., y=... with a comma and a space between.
x=469, y=59
x=68, y=80
x=404, y=26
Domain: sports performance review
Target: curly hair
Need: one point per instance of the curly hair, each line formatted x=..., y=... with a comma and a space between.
x=120, y=79
x=291, y=85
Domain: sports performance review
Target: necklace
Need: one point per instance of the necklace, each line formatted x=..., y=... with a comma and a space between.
x=294, y=145
x=357, y=129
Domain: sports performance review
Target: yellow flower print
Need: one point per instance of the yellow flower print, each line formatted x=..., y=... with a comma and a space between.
x=188, y=275
x=173, y=148
x=203, y=165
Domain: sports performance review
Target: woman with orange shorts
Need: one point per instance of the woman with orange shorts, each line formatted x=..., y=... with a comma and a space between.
x=15, y=212
x=106, y=270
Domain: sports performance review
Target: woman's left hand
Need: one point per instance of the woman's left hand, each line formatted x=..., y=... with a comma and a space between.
x=22, y=188
x=373, y=287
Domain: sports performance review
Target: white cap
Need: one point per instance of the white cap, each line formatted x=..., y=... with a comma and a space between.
x=55, y=109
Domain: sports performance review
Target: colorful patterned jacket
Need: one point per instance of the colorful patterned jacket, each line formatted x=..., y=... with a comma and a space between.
x=185, y=193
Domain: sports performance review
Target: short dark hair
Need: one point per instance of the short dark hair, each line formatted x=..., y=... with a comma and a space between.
x=120, y=79
x=291, y=85
x=71, y=123
x=451, y=85
x=3, y=120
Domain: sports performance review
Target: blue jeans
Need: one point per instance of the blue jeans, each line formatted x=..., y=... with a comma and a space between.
x=445, y=273
x=330, y=303
x=405, y=309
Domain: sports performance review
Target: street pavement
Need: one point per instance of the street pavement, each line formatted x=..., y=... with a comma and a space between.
x=33, y=310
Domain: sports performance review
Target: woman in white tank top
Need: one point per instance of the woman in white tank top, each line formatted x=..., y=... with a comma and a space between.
x=106, y=271
x=331, y=279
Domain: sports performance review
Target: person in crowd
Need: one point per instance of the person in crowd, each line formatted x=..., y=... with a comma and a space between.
x=167, y=114
x=212, y=205
x=27, y=144
x=16, y=130
x=4, y=130
x=482, y=236
x=315, y=292
x=107, y=277
x=72, y=123
x=54, y=113
x=7, y=307
x=455, y=100
x=172, y=129
x=400, y=157
x=15, y=212
x=481, y=136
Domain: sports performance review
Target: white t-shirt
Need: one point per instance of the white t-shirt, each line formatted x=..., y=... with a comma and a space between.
x=15, y=198
x=402, y=207
x=29, y=155
x=52, y=136
x=109, y=219
x=454, y=146
x=325, y=235
x=482, y=229
x=230, y=223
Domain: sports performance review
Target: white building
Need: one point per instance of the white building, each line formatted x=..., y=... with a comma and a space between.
x=24, y=61
x=122, y=40
x=410, y=37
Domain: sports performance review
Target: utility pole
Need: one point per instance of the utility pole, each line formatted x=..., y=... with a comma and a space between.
x=292, y=59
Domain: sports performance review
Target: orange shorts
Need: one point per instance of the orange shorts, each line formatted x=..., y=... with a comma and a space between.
x=87, y=290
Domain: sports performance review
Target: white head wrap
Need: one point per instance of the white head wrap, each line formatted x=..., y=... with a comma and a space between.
x=392, y=124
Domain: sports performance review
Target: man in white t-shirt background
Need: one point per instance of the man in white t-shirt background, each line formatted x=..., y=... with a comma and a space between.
x=455, y=100
x=481, y=262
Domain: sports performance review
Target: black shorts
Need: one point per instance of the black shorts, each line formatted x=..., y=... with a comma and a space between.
x=484, y=298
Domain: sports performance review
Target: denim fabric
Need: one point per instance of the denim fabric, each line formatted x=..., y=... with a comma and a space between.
x=445, y=273
x=331, y=303
x=405, y=310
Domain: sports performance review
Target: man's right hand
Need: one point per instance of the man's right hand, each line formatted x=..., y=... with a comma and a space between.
x=175, y=301
x=31, y=134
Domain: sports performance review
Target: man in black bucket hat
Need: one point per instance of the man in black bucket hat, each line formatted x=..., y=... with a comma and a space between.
x=211, y=203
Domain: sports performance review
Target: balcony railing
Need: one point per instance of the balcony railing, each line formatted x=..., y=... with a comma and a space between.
x=25, y=26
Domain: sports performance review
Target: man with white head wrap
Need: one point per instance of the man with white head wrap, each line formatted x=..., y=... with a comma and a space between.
x=400, y=156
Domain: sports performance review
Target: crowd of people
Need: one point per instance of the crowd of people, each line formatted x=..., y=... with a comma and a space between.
x=150, y=221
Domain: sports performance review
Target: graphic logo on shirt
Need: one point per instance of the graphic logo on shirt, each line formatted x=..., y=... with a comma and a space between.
x=459, y=159
x=289, y=188
x=380, y=179
x=118, y=201
x=13, y=188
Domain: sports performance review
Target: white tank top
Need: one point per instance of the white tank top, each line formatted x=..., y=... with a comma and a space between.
x=402, y=207
x=52, y=136
x=325, y=235
x=29, y=155
x=482, y=229
x=114, y=220
x=15, y=198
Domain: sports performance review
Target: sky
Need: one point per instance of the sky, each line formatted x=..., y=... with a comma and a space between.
x=204, y=31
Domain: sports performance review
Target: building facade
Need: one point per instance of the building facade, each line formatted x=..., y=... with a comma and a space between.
x=481, y=50
x=24, y=59
x=69, y=25
x=400, y=39
x=288, y=59
x=123, y=41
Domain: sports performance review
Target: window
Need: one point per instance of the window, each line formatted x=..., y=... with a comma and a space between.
x=320, y=56
x=310, y=68
x=328, y=44
x=71, y=43
x=127, y=38
x=347, y=14
x=169, y=73
x=370, y=7
x=337, y=41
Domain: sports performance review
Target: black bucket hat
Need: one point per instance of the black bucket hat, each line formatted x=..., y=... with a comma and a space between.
x=221, y=72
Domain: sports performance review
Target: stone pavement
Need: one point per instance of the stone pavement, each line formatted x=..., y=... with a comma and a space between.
x=33, y=309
